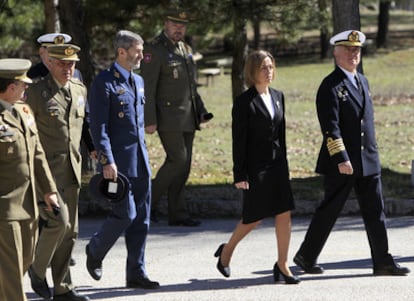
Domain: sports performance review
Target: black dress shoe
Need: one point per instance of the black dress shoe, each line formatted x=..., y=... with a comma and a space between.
x=306, y=266
x=39, y=285
x=143, y=282
x=288, y=279
x=188, y=222
x=393, y=269
x=94, y=266
x=70, y=296
x=225, y=271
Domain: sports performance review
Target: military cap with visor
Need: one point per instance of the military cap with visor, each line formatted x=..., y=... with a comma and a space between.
x=107, y=189
x=54, y=38
x=177, y=16
x=64, y=52
x=348, y=38
x=15, y=69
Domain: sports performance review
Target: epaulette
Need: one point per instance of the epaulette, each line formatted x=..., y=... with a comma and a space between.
x=76, y=81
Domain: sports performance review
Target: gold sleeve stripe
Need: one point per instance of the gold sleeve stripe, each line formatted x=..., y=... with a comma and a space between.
x=335, y=146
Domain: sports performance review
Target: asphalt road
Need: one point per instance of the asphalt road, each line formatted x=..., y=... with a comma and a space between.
x=181, y=259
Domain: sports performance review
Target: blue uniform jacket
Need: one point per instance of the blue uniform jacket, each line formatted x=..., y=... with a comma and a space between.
x=117, y=121
x=347, y=123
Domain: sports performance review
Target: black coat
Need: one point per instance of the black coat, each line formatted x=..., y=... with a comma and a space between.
x=259, y=155
x=347, y=123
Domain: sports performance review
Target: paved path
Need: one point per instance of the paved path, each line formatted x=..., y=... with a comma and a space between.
x=181, y=259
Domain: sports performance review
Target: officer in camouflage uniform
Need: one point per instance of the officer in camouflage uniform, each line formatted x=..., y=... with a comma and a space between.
x=174, y=109
x=58, y=102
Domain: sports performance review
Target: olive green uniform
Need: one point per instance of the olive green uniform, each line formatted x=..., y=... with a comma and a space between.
x=22, y=160
x=175, y=107
x=59, y=119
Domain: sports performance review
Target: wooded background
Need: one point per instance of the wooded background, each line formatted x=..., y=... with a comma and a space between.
x=216, y=25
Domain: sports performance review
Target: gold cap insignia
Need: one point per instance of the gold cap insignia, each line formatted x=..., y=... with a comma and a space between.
x=59, y=39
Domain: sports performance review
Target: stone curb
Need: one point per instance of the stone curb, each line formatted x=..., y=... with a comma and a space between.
x=219, y=208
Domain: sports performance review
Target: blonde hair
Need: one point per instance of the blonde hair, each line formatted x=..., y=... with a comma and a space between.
x=253, y=64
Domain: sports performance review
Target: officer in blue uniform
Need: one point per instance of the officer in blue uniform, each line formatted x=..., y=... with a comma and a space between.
x=348, y=159
x=117, y=127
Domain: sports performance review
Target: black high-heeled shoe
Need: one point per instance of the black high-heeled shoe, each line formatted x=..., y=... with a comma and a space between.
x=225, y=271
x=288, y=279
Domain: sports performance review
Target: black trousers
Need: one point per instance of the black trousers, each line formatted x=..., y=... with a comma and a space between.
x=337, y=187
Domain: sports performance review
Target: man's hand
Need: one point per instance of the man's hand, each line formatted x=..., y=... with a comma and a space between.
x=110, y=171
x=51, y=201
x=94, y=155
x=345, y=168
x=150, y=129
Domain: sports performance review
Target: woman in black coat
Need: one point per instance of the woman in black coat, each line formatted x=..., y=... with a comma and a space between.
x=260, y=165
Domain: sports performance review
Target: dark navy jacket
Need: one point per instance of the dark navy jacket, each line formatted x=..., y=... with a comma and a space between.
x=347, y=123
x=117, y=121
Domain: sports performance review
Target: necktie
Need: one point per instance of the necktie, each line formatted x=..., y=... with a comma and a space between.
x=131, y=82
x=66, y=93
x=16, y=115
x=358, y=82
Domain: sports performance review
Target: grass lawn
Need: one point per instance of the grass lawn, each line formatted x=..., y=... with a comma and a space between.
x=391, y=77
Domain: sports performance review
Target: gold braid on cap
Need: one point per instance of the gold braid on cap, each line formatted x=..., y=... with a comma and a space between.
x=335, y=146
x=59, y=40
x=183, y=15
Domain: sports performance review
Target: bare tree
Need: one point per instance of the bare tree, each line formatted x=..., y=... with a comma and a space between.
x=239, y=52
x=345, y=15
x=72, y=22
x=324, y=31
x=52, y=23
x=383, y=20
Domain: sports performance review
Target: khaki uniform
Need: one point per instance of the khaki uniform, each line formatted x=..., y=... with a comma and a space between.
x=175, y=107
x=59, y=120
x=172, y=101
x=22, y=161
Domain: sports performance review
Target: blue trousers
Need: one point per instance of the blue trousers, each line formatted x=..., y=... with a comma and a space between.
x=130, y=216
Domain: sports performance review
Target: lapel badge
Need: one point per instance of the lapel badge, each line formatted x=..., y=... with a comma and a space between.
x=121, y=91
x=342, y=94
x=116, y=74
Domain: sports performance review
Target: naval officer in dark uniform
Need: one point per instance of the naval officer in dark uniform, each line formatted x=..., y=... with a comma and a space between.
x=23, y=170
x=117, y=127
x=348, y=159
x=174, y=109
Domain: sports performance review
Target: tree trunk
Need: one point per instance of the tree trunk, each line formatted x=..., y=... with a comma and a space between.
x=51, y=16
x=324, y=31
x=383, y=20
x=71, y=20
x=256, y=30
x=239, y=54
x=346, y=16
